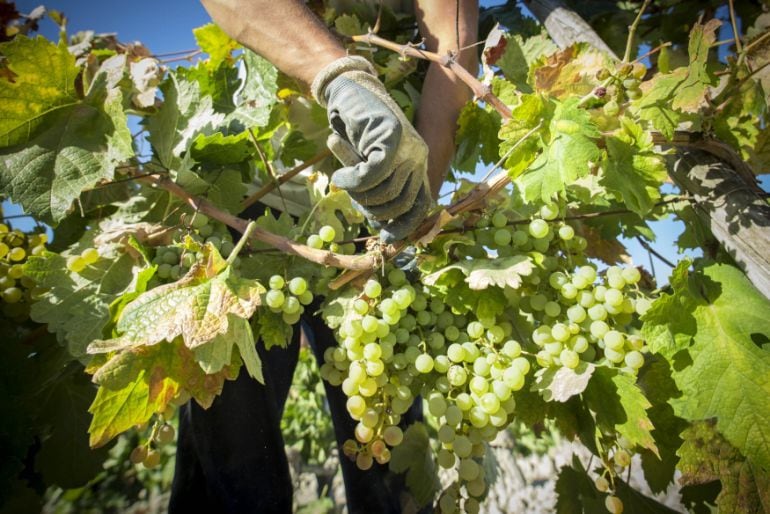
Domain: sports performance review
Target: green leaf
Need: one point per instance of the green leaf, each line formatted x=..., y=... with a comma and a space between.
x=659, y=388
x=718, y=318
x=706, y=456
x=655, y=103
x=273, y=330
x=414, y=456
x=221, y=185
x=258, y=95
x=220, y=149
x=691, y=92
x=162, y=372
x=196, y=307
x=621, y=406
x=53, y=143
x=185, y=114
x=760, y=152
x=483, y=273
x=559, y=385
x=212, y=40
x=575, y=491
x=567, y=155
x=633, y=168
x=476, y=138
x=77, y=305
x=520, y=54
x=533, y=110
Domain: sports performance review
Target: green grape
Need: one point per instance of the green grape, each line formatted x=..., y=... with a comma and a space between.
x=478, y=417
x=446, y=459
x=552, y=309
x=611, y=108
x=12, y=295
x=456, y=375
x=4, y=249
x=622, y=458
x=360, y=306
x=538, y=228
x=176, y=272
x=468, y=469
x=490, y=402
x=613, y=297
x=170, y=257
x=16, y=271
x=569, y=359
x=502, y=237
x=90, y=255
x=634, y=94
x=17, y=254
x=274, y=299
x=227, y=248
x=291, y=305
x=453, y=415
x=631, y=275
x=424, y=363
x=327, y=233
x=364, y=461
x=369, y=323
x=613, y=504
x=166, y=434
x=138, y=454
x=297, y=286
x=75, y=263
x=512, y=349
x=356, y=406
x=614, y=340
x=614, y=356
x=276, y=282
x=538, y=301
x=164, y=271
x=576, y=314
x=499, y=219
x=199, y=220
x=205, y=231
x=462, y=446
x=152, y=460
x=634, y=359
x=372, y=289
x=566, y=232
x=447, y=503
x=549, y=211
x=597, y=312
x=602, y=484
x=396, y=277
x=393, y=435
x=315, y=241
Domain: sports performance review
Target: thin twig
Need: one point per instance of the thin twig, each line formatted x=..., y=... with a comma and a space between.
x=268, y=167
x=632, y=32
x=324, y=257
x=178, y=52
x=130, y=178
x=650, y=249
x=480, y=90
x=654, y=50
x=185, y=57
x=283, y=178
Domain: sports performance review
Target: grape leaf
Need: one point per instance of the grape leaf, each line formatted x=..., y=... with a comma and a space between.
x=76, y=305
x=196, y=307
x=655, y=103
x=222, y=185
x=476, y=138
x=533, y=110
x=212, y=40
x=53, y=143
x=706, y=456
x=569, y=72
x=220, y=149
x=161, y=372
x=483, y=273
x=258, y=95
x=659, y=387
x=620, y=405
x=567, y=155
x=185, y=114
x=633, y=168
x=520, y=54
x=575, y=491
x=691, y=92
x=717, y=317
x=559, y=385
x=414, y=456
x=273, y=330
x=760, y=152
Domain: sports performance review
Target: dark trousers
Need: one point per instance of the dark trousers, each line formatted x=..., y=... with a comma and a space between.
x=231, y=459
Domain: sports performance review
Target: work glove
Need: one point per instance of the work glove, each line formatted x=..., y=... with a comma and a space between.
x=385, y=160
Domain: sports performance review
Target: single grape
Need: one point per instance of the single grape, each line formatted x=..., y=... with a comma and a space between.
x=274, y=299
x=276, y=282
x=138, y=454
x=166, y=434
x=393, y=435
x=569, y=359
x=12, y=295
x=90, y=255
x=424, y=363
x=502, y=237
x=613, y=504
x=364, y=461
x=327, y=233
x=372, y=289
x=16, y=271
x=152, y=460
x=538, y=228
x=75, y=263
x=549, y=211
x=566, y=232
x=315, y=241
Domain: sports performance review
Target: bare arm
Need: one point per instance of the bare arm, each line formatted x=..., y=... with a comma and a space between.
x=284, y=32
x=443, y=94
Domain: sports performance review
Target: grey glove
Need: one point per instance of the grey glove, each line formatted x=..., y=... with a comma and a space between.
x=385, y=158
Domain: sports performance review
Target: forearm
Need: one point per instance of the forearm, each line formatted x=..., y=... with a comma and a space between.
x=284, y=32
x=443, y=93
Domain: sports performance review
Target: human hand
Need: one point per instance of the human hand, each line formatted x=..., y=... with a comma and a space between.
x=385, y=159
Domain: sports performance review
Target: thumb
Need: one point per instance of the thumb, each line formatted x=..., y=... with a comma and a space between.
x=343, y=150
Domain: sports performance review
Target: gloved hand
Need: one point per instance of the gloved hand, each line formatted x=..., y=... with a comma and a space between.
x=385, y=160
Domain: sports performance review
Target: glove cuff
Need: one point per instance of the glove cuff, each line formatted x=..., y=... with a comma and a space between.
x=333, y=70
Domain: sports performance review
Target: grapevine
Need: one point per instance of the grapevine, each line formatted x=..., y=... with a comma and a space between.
x=513, y=304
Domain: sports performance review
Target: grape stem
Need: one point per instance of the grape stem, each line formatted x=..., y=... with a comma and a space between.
x=241, y=242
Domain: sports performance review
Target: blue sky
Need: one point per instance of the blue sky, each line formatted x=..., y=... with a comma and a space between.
x=166, y=26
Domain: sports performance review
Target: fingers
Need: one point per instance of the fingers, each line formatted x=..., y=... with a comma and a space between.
x=343, y=150
x=405, y=224
x=397, y=202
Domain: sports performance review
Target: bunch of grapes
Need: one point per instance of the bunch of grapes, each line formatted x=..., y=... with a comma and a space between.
x=325, y=238
x=161, y=433
x=624, y=80
x=288, y=298
x=400, y=340
x=17, y=290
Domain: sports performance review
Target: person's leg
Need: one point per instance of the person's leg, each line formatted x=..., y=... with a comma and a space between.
x=230, y=457
x=376, y=489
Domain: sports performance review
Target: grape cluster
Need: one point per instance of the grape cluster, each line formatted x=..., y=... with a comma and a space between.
x=162, y=433
x=175, y=260
x=399, y=340
x=288, y=298
x=325, y=238
x=625, y=80
x=17, y=290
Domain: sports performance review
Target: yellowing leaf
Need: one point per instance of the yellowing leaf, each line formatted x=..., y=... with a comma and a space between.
x=195, y=308
x=212, y=40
